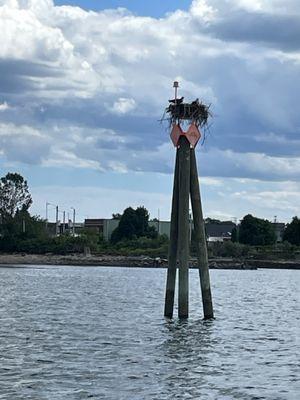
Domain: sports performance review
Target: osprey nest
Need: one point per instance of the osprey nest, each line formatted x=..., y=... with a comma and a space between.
x=195, y=111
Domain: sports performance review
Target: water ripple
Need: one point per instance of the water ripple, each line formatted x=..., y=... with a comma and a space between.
x=81, y=333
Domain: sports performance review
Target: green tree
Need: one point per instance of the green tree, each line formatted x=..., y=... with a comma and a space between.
x=209, y=220
x=256, y=231
x=142, y=221
x=116, y=216
x=133, y=223
x=14, y=199
x=28, y=226
x=292, y=232
x=17, y=224
x=127, y=226
x=234, y=235
x=14, y=195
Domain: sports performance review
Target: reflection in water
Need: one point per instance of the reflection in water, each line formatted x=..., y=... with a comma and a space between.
x=80, y=333
x=190, y=341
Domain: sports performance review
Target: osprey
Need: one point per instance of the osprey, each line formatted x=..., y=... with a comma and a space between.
x=177, y=101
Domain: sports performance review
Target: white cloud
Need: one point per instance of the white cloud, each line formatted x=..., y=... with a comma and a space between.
x=23, y=143
x=288, y=166
x=27, y=37
x=248, y=165
x=283, y=201
x=123, y=105
x=208, y=181
x=291, y=7
x=4, y=106
x=80, y=67
x=250, y=5
x=118, y=167
x=62, y=158
x=222, y=7
x=280, y=201
x=236, y=198
x=202, y=9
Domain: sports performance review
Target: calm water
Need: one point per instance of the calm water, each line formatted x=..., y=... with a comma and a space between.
x=80, y=333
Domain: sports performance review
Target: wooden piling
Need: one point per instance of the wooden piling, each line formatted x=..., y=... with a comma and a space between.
x=185, y=185
x=183, y=227
x=172, y=257
x=200, y=239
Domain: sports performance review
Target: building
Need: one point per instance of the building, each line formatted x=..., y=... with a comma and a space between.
x=279, y=228
x=218, y=231
x=215, y=231
x=101, y=226
x=162, y=227
x=61, y=228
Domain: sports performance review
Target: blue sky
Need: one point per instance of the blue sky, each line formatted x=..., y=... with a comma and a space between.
x=84, y=83
x=153, y=8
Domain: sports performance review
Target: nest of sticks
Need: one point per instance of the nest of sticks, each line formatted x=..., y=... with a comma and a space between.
x=195, y=111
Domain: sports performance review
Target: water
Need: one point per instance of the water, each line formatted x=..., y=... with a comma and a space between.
x=80, y=333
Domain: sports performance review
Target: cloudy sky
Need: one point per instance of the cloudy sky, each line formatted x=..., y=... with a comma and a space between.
x=84, y=83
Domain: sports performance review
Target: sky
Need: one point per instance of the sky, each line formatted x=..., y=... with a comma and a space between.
x=83, y=85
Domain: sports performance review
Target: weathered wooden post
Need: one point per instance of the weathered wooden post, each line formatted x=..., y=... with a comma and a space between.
x=172, y=258
x=183, y=243
x=185, y=185
x=200, y=240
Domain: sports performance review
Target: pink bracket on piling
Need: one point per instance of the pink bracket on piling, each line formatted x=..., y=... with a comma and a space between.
x=176, y=133
x=193, y=134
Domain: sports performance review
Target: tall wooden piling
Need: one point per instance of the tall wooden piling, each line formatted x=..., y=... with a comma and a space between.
x=200, y=240
x=185, y=185
x=172, y=257
x=183, y=227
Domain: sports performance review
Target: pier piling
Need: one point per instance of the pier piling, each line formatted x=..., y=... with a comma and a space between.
x=186, y=186
x=200, y=240
x=172, y=257
x=183, y=227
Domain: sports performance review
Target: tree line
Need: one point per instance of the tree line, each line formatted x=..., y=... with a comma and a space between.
x=21, y=231
x=261, y=232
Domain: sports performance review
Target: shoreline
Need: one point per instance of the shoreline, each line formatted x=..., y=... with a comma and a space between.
x=137, y=261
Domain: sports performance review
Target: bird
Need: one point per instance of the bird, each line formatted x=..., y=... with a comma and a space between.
x=177, y=101
x=195, y=102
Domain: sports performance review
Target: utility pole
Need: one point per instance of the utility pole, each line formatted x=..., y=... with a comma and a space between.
x=74, y=215
x=158, y=219
x=47, y=216
x=64, y=221
x=56, y=221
